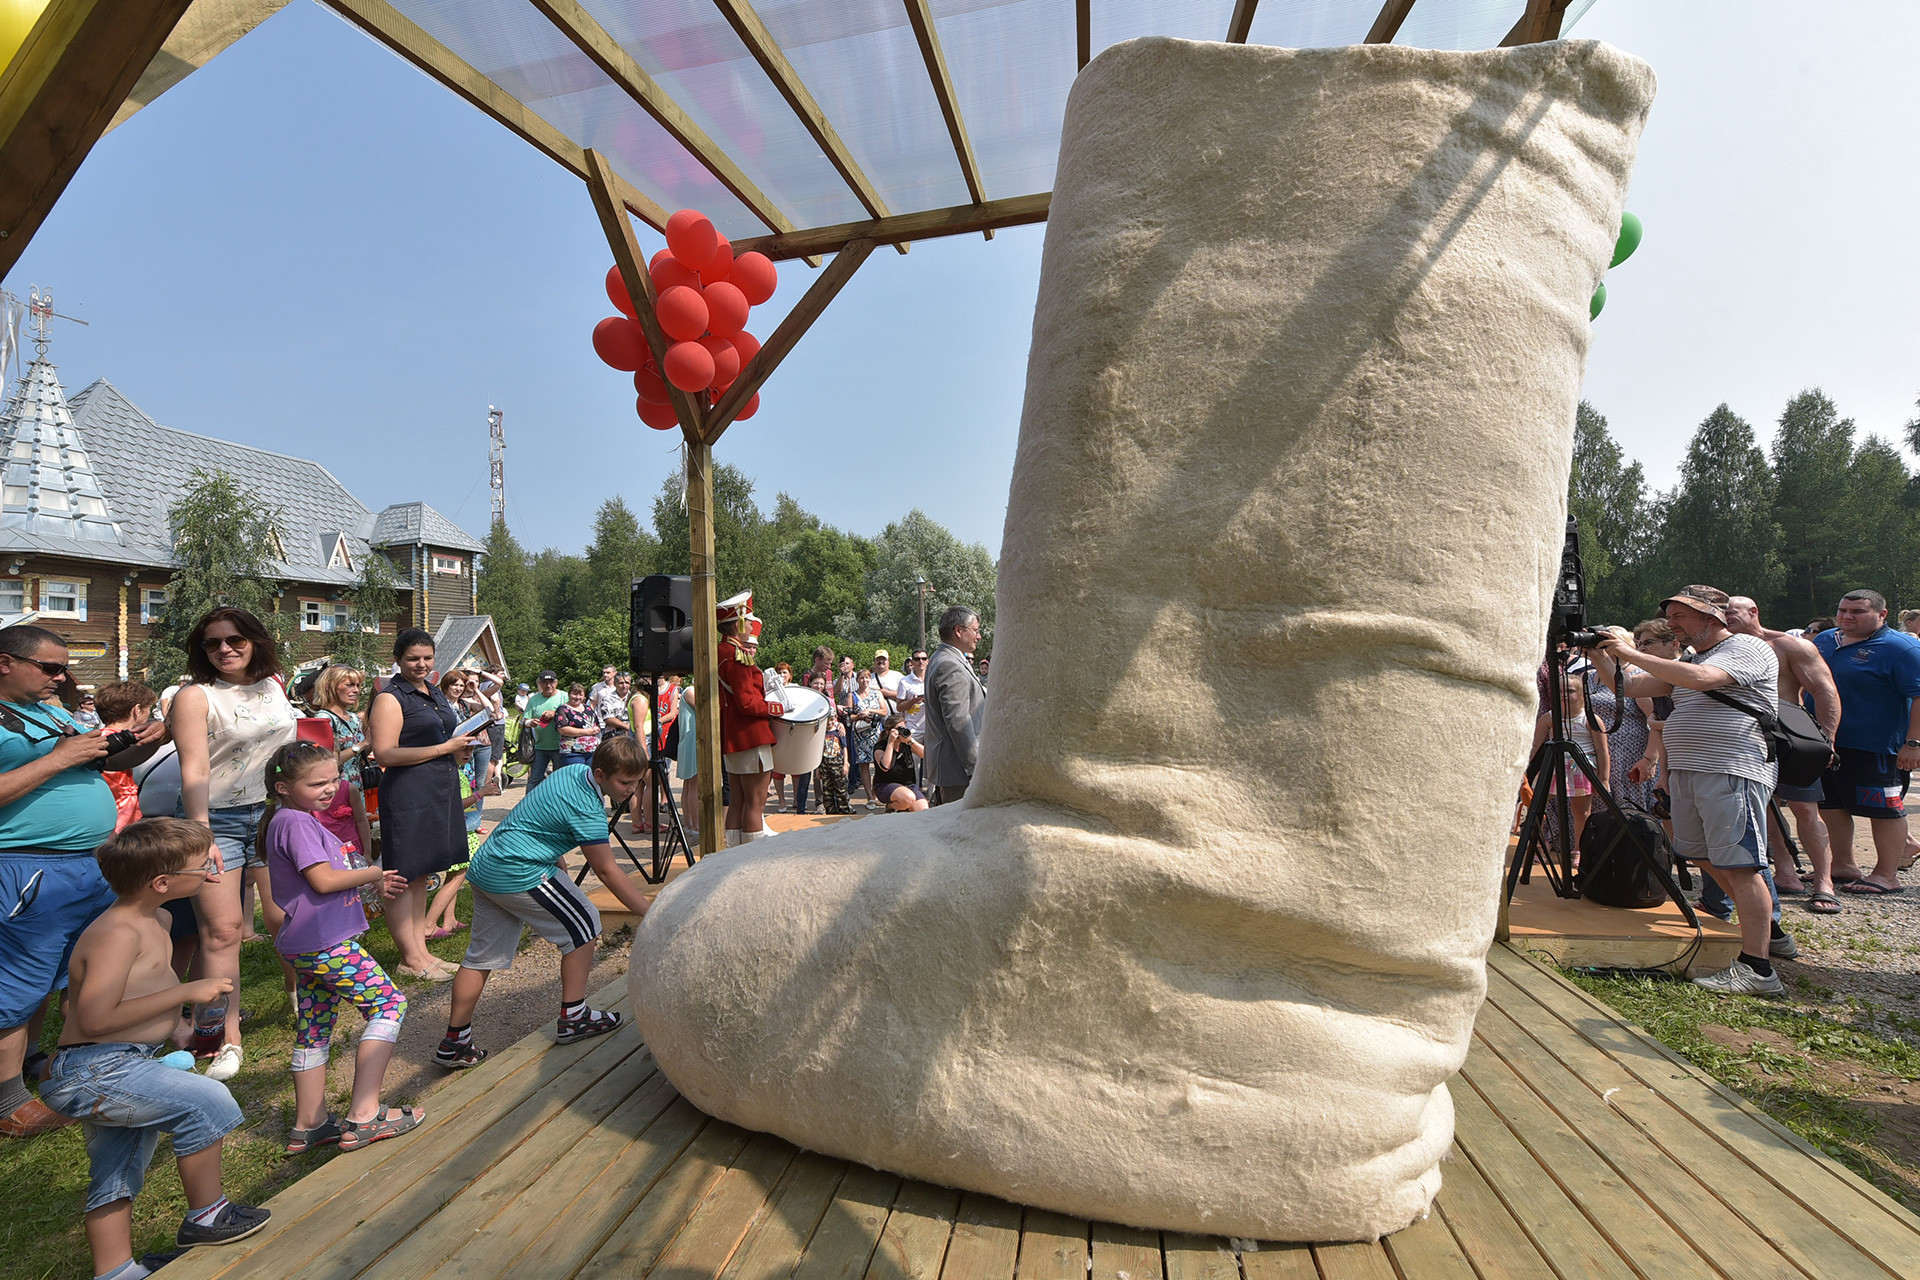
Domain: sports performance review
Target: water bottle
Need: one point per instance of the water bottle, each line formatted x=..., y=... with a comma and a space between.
x=210, y=1026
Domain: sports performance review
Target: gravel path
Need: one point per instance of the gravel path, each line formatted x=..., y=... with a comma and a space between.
x=1864, y=962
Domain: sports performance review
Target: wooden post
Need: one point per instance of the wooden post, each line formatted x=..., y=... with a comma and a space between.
x=706, y=640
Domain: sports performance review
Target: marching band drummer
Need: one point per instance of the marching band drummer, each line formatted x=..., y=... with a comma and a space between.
x=746, y=734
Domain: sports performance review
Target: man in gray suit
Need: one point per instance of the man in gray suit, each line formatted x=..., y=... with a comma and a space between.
x=956, y=701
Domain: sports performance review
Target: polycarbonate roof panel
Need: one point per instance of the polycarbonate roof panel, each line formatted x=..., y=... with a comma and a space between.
x=696, y=57
x=1012, y=63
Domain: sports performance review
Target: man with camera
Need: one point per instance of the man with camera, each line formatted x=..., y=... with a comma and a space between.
x=956, y=701
x=1718, y=773
x=55, y=810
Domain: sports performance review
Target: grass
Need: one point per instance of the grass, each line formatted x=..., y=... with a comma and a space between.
x=46, y=1178
x=1797, y=1063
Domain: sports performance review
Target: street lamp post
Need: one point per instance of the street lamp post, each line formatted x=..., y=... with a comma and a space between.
x=921, y=584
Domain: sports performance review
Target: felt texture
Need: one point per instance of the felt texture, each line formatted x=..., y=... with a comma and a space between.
x=1206, y=939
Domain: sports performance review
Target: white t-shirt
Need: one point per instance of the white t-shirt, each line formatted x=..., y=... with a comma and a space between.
x=1706, y=735
x=913, y=704
x=890, y=681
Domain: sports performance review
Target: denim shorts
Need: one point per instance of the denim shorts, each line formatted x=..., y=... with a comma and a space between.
x=125, y=1100
x=46, y=900
x=236, y=831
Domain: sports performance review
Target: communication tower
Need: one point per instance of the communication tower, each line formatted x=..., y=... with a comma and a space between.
x=497, y=458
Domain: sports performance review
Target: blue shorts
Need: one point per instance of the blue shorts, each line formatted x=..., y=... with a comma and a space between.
x=1719, y=818
x=126, y=1100
x=236, y=832
x=1866, y=784
x=46, y=900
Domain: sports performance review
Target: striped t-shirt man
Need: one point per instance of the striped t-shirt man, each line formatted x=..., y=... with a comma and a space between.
x=1706, y=735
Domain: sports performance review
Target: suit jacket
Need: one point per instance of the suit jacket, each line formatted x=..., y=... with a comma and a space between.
x=956, y=701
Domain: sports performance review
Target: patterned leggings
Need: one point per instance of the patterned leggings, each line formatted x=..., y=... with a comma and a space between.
x=340, y=974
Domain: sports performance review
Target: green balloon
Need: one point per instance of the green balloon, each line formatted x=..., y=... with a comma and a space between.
x=1629, y=239
x=1599, y=301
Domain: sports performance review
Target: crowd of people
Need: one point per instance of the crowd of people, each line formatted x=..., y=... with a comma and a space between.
x=1673, y=713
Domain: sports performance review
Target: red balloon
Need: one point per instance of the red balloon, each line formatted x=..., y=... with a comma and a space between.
x=689, y=366
x=726, y=309
x=755, y=275
x=620, y=342
x=660, y=417
x=726, y=362
x=692, y=238
x=617, y=293
x=668, y=271
x=683, y=313
x=752, y=407
x=651, y=386
x=722, y=263
x=747, y=345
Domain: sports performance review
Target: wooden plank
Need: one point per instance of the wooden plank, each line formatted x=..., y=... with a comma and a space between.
x=1353, y=1262
x=1387, y=24
x=1484, y=1229
x=849, y=1231
x=632, y=1247
x=794, y=1209
x=1552, y=1220
x=706, y=639
x=1083, y=32
x=1198, y=1257
x=1242, y=21
x=1539, y=22
x=59, y=92
x=548, y=1233
x=1125, y=1253
x=913, y=1244
x=605, y=52
x=1719, y=1232
x=1277, y=1262
x=786, y=335
x=986, y=1240
x=1427, y=1251
x=327, y=1203
x=706, y=1243
x=1817, y=1179
x=928, y=38
x=413, y=1234
x=929, y=224
x=1053, y=1247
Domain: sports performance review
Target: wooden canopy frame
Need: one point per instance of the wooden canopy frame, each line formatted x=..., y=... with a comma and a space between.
x=83, y=57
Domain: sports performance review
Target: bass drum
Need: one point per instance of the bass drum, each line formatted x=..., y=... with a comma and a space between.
x=159, y=783
x=801, y=734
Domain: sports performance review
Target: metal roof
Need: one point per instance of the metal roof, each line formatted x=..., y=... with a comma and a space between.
x=458, y=635
x=409, y=522
x=779, y=118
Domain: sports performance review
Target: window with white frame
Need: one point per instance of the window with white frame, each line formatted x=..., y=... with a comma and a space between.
x=447, y=564
x=342, y=619
x=315, y=615
x=13, y=596
x=63, y=599
x=153, y=605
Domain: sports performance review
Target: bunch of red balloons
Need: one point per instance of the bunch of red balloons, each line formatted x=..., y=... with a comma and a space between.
x=704, y=295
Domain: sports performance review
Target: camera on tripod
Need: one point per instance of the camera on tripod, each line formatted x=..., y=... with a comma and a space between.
x=1567, y=625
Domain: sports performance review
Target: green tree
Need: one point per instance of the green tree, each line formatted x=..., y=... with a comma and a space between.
x=223, y=539
x=372, y=605
x=743, y=548
x=1882, y=520
x=1812, y=460
x=1609, y=498
x=1718, y=526
x=620, y=552
x=507, y=593
x=561, y=581
x=584, y=645
x=913, y=547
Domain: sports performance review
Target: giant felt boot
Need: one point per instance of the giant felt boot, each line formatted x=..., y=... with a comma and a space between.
x=1205, y=940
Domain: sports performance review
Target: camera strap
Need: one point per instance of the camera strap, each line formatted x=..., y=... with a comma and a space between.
x=13, y=721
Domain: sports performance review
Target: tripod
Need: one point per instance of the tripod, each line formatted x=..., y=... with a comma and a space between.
x=668, y=836
x=1547, y=771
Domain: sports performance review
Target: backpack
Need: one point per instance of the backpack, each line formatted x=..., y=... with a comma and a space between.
x=1612, y=872
x=1796, y=743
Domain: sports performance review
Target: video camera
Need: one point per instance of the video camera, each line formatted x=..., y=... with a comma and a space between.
x=1568, y=622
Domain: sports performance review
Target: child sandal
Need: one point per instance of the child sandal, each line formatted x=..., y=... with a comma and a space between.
x=385, y=1125
x=301, y=1141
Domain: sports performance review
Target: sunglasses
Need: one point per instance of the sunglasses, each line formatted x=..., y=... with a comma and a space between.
x=214, y=644
x=51, y=668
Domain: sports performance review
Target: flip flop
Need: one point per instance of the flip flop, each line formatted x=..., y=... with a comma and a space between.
x=1870, y=889
x=1849, y=879
x=1823, y=904
x=1799, y=892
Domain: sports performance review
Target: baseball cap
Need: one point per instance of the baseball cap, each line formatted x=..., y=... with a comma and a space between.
x=548, y=675
x=523, y=688
x=882, y=653
x=1704, y=599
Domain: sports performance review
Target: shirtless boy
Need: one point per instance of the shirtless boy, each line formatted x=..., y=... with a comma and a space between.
x=123, y=1009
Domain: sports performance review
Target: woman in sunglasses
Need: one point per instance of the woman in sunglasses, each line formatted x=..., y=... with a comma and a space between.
x=226, y=725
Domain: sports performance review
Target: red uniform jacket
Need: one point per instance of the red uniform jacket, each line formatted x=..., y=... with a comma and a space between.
x=744, y=709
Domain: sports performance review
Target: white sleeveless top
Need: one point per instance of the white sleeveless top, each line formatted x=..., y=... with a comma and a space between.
x=246, y=724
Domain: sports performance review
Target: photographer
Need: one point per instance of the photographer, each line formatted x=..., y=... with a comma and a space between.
x=893, y=769
x=55, y=809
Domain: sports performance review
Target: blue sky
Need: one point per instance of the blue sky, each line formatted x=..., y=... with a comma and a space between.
x=309, y=246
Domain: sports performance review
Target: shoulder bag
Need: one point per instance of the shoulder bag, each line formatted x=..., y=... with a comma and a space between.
x=1795, y=741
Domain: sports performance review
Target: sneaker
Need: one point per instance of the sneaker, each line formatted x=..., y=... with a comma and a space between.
x=591, y=1023
x=1782, y=947
x=1737, y=979
x=457, y=1055
x=235, y=1222
x=225, y=1064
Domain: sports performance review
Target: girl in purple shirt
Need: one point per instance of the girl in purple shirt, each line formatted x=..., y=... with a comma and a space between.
x=316, y=882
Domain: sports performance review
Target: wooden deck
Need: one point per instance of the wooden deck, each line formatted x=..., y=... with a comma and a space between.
x=1584, y=1149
